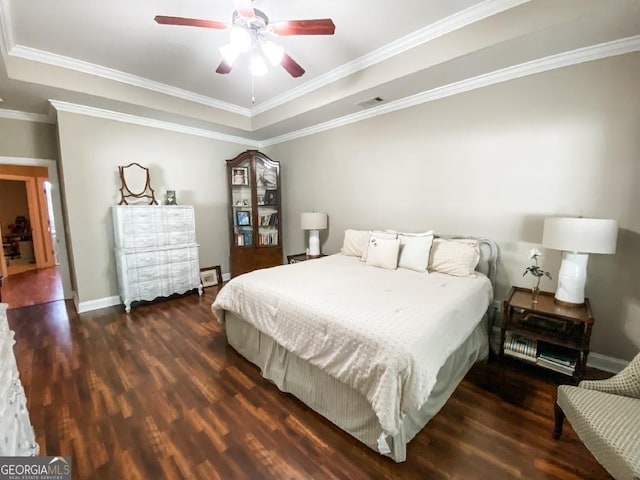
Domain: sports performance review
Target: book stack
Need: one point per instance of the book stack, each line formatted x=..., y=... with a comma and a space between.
x=520, y=347
x=268, y=238
x=244, y=238
x=557, y=361
x=269, y=220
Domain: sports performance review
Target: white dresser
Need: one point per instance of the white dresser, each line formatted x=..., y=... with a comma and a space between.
x=156, y=251
x=16, y=433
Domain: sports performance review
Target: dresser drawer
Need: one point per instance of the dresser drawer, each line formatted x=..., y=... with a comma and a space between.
x=177, y=255
x=179, y=214
x=180, y=238
x=142, y=228
x=146, y=274
x=140, y=214
x=146, y=258
x=151, y=289
x=141, y=241
x=179, y=227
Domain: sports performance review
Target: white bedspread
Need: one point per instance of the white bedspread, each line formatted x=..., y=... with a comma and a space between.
x=386, y=333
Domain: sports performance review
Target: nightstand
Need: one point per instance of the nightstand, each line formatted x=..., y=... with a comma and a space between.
x=547, y=334
x=302, y=257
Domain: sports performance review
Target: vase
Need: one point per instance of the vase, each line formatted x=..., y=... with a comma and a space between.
x=535, y=291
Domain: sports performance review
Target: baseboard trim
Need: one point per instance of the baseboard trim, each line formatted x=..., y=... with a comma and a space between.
x=105, y=302
x=606, y=363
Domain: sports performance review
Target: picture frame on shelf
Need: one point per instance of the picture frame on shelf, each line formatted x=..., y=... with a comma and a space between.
x=243, y=218
x=260, y=200
x=271, y=197
x=210, y=276
x=240, y=176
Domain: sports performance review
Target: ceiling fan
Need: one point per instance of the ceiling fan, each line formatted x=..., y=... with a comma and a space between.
x=250, y=30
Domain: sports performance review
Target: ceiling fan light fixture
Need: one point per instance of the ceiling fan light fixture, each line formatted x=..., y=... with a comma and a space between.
x=240, y=38
x=273, y=52
x=257, y=67
x=229, y=53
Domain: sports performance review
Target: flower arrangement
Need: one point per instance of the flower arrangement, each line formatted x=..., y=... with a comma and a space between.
x=536, y=271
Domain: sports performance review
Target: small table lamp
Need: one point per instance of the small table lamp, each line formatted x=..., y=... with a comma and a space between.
x=577, y=237
x=313, y=221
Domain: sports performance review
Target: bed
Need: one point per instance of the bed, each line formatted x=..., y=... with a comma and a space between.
x=377, y=352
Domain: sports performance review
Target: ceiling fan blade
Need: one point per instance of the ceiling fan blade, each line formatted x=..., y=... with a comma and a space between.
x=319, y=26
x=244, y=8
x=224, y=67
x=190, y=22
x=291, y=66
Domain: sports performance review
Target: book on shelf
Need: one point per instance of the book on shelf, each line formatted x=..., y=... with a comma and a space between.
x=567, y=370
x=559, y=355
x=520, y=347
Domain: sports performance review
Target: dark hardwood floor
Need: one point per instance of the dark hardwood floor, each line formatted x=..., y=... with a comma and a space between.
x=159, y=394
x=32, y=287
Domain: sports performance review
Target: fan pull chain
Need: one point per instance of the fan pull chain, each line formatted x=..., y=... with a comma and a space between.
x=253, y=90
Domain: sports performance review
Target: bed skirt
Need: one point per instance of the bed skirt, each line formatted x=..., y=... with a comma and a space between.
x=338, y=402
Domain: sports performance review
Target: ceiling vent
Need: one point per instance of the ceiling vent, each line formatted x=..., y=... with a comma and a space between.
x=372, y=102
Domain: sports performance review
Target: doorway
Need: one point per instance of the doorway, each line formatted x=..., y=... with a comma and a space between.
x=39, y=274
x=15, y=225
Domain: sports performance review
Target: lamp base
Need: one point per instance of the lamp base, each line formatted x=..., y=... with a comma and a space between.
x=572, y=278
x=314, y=243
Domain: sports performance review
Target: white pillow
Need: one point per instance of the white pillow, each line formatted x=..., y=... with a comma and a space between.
x=456, y=257
x=377, y=234
x=414, y=251
x=355, y=242
x=383, y=253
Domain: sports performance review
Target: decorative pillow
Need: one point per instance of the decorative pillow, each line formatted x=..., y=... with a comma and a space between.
x=414, y=251
x=378, y=234
x=383, y=253
x=355, y=242
x=455, y=257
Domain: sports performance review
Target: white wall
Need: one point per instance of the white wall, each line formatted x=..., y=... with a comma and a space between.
x=493, y=162
x=91, y=149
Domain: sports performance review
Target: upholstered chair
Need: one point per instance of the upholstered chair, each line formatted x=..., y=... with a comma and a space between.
x=606, y=416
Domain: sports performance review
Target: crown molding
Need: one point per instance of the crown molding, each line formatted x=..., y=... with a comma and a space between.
x=26, y=116
x=33, y=54
x=148, y=122
x=437, y=29
x=573, y=57
x=454, y=22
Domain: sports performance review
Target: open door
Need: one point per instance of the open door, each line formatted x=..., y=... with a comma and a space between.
x=46, y=230
x=3, y=260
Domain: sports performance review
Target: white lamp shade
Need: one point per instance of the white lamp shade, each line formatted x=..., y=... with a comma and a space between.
x=584, y=235
x=313, y=221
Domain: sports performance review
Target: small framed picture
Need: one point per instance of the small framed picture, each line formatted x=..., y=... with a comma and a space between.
x=271, y=197
x=210, y=276
x=240, y=176
x=260, y=199
x=171, y=198
x=243, y=217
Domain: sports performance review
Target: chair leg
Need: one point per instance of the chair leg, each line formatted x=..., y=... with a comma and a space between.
x=559, y=415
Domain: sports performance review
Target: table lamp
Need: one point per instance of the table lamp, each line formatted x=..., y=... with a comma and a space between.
x=314, y=222
x=577, y=238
